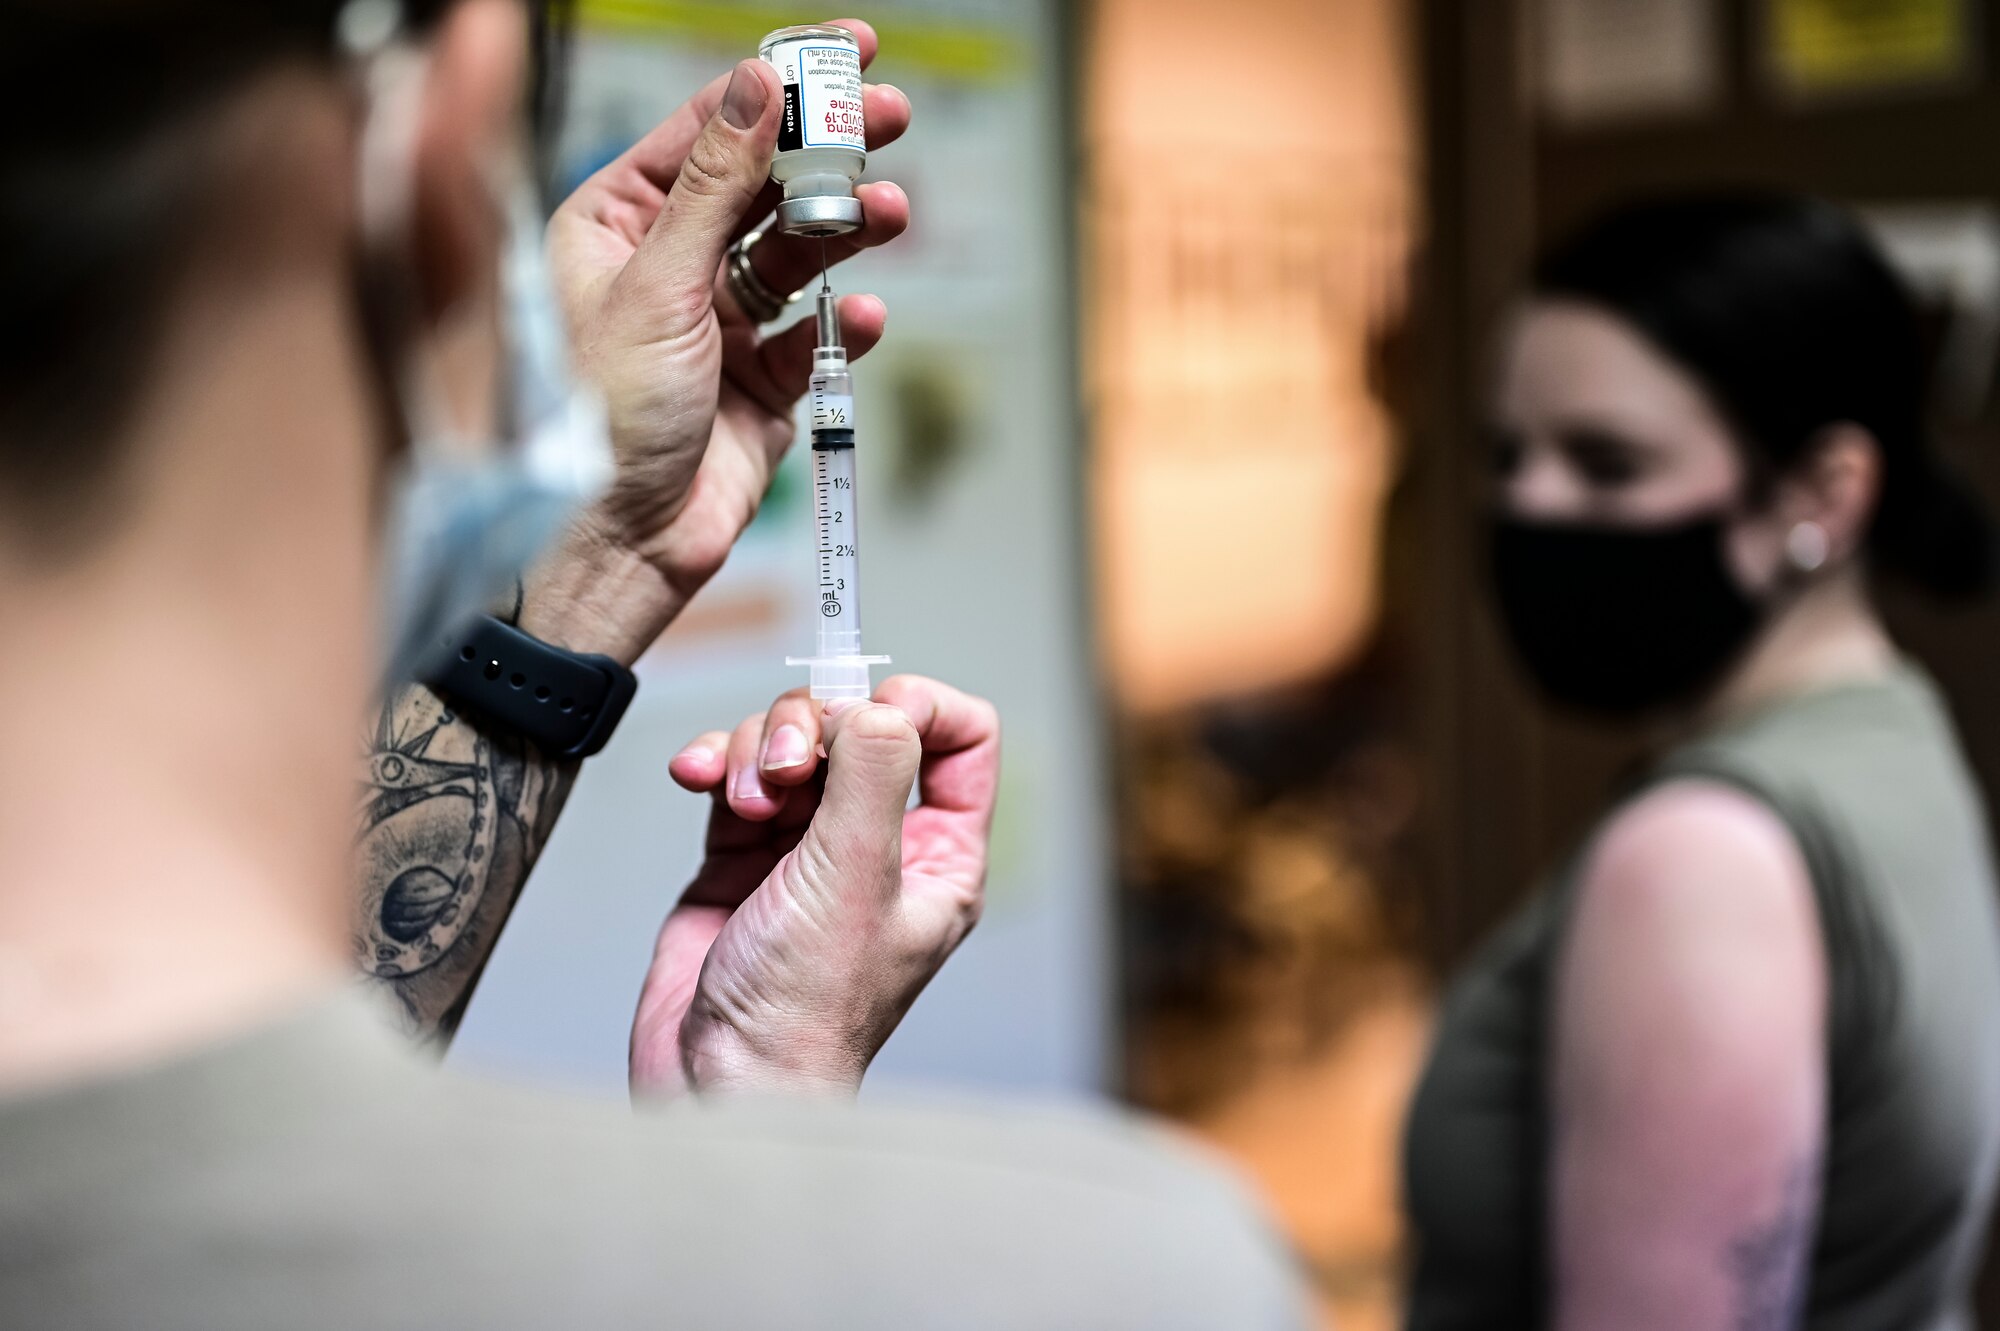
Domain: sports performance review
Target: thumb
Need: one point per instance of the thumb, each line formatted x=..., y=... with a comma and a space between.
x=673, y=270
x=856, y=836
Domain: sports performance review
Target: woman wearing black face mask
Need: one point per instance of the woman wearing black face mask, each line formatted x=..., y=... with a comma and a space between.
x=1738, y=1065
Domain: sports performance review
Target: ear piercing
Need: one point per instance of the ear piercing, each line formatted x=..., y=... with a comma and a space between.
x=1806, y=547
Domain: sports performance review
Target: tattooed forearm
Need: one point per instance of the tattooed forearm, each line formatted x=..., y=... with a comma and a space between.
x=451, y=821
x=1767, y=1263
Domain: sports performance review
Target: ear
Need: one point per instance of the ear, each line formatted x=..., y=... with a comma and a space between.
x=1837, y=485
x=471, y=122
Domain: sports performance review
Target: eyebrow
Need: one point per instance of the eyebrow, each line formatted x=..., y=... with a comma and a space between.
x=1588, y=432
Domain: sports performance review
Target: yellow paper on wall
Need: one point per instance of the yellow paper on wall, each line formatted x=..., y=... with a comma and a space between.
x=1830, y=46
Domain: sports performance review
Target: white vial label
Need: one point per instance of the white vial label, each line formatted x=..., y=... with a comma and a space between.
x=822, y=81
x=832, y=411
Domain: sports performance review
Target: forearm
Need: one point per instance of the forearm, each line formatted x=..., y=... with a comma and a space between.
x=453, y=820
x=455, y=815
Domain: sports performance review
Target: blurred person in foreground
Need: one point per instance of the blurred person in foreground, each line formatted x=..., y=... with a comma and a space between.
x=265, y=301
x=1737, y=1065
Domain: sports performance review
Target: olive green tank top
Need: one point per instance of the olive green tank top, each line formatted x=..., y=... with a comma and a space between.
x=1871, y=783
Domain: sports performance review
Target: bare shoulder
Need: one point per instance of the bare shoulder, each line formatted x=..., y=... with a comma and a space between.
x=1693, y=824
x=1695, y=855
x=1694, y=931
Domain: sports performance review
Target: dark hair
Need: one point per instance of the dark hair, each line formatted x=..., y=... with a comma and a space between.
x=102, y=178
x=1791, y=319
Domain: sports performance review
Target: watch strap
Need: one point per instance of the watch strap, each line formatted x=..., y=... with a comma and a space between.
x=566, y=703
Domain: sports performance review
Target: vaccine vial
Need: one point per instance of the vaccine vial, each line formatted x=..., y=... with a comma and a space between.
x=822, y=146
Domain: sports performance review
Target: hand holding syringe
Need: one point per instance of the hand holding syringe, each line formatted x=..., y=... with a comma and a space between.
x=839, y=670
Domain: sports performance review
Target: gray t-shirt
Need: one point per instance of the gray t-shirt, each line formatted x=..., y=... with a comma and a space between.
x=318, y=1173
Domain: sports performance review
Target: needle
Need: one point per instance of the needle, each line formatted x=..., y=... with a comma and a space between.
x=824, y=284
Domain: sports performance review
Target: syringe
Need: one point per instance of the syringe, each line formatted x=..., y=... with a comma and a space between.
x=839, y=670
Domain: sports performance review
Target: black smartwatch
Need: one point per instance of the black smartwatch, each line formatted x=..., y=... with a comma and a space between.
x=565, y=703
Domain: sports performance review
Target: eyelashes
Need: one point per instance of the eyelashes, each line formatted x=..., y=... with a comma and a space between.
x=1600, y=458
x=1604, y=459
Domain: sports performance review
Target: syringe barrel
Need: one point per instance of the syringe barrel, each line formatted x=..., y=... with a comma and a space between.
x=830, y=397
x=836, y=528
x=838, y=553
x=839, y=670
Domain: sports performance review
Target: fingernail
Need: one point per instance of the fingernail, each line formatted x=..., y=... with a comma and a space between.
x=694, y=753
x=747, y=786
x=787, y=748
x=839, y=705
x=743, y=103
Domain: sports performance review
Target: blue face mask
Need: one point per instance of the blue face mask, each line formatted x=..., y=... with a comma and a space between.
x=466, y=514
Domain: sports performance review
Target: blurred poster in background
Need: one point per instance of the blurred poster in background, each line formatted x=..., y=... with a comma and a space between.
x=971, y=563
x=1612, y=60
x=1841, y=48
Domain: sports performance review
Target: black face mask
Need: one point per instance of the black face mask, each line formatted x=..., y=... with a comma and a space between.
x=1620, y=620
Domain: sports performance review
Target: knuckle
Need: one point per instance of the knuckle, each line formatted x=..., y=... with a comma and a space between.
x=709, y=169
x=851, y=857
